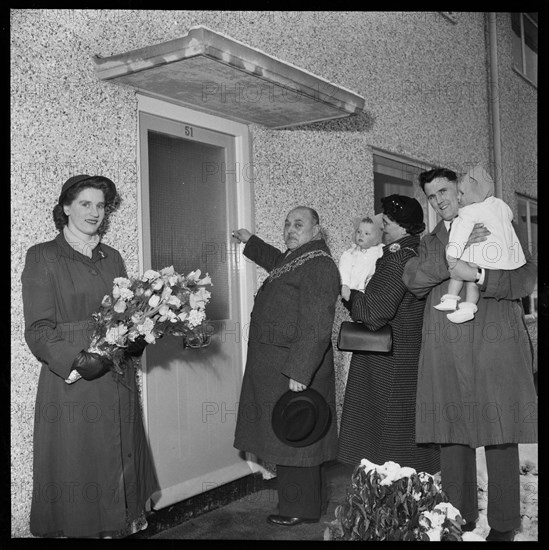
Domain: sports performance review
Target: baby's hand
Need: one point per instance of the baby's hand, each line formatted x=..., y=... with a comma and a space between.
x=241, y=234
x=345, y=292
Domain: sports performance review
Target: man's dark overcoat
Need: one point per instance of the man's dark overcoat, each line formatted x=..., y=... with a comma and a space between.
x=290, y=337
x=475, y=379
x=91, y=466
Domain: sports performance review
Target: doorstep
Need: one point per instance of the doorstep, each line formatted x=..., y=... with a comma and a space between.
x=171, y=516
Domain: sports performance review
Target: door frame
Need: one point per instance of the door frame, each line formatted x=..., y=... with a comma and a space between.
x=244, y=204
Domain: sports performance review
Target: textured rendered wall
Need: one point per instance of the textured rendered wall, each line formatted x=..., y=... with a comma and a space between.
x=424, y=80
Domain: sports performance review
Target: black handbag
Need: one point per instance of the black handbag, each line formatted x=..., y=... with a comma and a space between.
x=356, y=337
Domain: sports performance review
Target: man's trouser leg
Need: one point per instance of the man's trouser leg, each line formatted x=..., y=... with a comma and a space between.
x=503, y=468
x=301, y=491
x=459, y=479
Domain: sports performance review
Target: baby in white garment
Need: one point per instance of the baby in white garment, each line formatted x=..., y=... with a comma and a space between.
x=501, y=250
x=358, y=263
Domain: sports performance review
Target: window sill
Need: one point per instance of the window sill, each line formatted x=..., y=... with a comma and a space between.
x=524, y=77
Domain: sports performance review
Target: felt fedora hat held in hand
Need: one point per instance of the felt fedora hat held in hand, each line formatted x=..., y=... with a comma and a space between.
x=301, y=418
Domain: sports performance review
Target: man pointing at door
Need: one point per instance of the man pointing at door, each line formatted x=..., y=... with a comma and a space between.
x=286, y=412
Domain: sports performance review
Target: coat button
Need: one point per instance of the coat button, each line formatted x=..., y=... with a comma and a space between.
x=129, y=455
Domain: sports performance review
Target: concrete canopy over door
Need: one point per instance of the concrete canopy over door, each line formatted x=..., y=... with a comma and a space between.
x=213, y=73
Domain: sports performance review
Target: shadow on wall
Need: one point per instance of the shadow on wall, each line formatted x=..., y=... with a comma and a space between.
x=364, y=122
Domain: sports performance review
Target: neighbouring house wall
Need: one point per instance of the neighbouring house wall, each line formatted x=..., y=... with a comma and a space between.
x=426, y=88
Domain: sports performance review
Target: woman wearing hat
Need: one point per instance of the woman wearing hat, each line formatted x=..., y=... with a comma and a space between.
x=378, y=415
x=91, y=463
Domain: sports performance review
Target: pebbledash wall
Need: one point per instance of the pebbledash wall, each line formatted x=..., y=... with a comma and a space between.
x=426, y=84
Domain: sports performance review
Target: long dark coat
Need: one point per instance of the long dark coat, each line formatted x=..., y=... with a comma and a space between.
x=91, y=463
x=378, y=415
x=475, y=384
x=290, y=337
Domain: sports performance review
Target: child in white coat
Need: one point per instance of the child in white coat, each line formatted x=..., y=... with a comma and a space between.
x=502, y=249
x=357, y=264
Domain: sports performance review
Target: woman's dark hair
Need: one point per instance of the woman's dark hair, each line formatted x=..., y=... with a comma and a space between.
x=430, y=175
x=112, y=202
x=411, y=228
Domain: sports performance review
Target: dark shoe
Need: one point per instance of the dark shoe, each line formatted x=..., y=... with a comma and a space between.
x=289, y=522
x=469, y=526
x=501, y=536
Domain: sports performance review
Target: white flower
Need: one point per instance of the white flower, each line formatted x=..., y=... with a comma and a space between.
x=448, y=510
x=167, y=270
x=395, y=247
x=157, y=284
x=115, y=335
x=196, y=318
x=164, y=309
x=154, y=300
x=122, y=282
x=137, y=317
x=150, y=275
x=149, y=338
x=166, y=293
x=199, y=299
x=126, y=294
x=194, y=275
x=174, y=301
x=120, y=306
x=146, y=326
x=205, y=281
x=183, y=316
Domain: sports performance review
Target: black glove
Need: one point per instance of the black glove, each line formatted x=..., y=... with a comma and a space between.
x=135, y=349
x=348, y=304
x=91, y=365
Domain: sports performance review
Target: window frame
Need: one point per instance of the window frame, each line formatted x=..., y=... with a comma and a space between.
x=528, y=201
x=522, y=71
x=430, y=214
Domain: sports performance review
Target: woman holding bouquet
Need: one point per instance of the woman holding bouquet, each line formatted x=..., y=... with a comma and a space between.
x=378, y=418
x=92, y=468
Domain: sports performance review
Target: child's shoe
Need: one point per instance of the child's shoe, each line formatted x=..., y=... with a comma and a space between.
x=466, y=312
x=448, y=303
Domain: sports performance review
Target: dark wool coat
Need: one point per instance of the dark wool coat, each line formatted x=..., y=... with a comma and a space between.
x=378, y=415
x=91, y=462
x=290, y=337
x=475, y=383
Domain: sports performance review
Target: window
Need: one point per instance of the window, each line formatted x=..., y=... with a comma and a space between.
x=525, y=44
x=527, y=229
x=395, y=175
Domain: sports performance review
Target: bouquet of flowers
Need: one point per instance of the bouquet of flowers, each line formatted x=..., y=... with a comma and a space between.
x=387, y=502
x=146, y=308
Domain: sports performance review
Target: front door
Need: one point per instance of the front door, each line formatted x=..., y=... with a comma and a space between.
x=189, y=209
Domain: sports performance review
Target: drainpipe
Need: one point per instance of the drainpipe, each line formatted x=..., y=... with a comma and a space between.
x=494, y=100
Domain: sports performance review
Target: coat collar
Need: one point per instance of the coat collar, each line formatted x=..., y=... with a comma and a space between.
x=408, y=241
x=65, y=249
x=440, y=232
x=316, y=244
